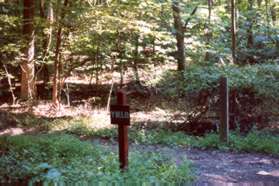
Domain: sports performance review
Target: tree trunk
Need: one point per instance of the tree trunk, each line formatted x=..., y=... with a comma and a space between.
x=57, y=61
x=10, y=84
x=136, y=57
x=233, y=30
x=267, y=18
x=209, y=2
x=273, y=14
x=28, y=86
x=97, y=64
x=179, y=34
x=208, y=33
x=47, y=41
x=250, y=39
x=50, y=20
x=120, y=51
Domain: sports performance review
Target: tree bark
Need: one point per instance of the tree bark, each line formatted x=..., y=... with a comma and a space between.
x=250, y=39
x=10, y=84
x=136, y=58
x=179, y=34
x=97, y=63
x=209, y=2
x=273, y=14
x=49, y=17
x=267, y=18
x=28, y=86
x=233, y=31
x=57, y=61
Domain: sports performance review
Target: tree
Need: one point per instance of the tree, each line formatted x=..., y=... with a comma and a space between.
x=28, y=84
x=233, y=31
x=250, y=38
x=179, y=34
x=56, y=87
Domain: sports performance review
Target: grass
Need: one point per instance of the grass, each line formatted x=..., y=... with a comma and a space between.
x=255, y=141
x=52, y=157
x=60, y=155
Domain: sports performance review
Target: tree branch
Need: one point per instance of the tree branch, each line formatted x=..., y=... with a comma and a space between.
x=190, y=17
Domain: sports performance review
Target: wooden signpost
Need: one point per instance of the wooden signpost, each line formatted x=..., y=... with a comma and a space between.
x=120, y=115
x=224, y=109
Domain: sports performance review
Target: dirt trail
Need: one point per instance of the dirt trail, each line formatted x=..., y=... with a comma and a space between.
x=220, y=168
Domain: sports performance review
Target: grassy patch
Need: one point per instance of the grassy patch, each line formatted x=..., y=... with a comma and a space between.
x=255, y=141
x=65, y=158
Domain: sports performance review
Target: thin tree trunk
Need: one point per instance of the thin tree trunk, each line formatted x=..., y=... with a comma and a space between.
x=10, y=84
x=50, y=20
x=153, y=45
x=97, y=65
x=250, y=38
x=109, y=96
x=47, y=41
x=55, y=98
x=136, y=56
x=267, y=18
x=57, y=60
x=208, y=26
x=28, y=86
x=233, y=31
x=121, y=73
x=273, y=13
x=209, y=11
x=42, y=8
x=179, y=34
x=120, y=52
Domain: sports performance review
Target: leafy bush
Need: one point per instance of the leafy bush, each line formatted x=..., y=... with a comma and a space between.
x=254, y=91
x=253, y=142
x=66, y=158
x=262, y=78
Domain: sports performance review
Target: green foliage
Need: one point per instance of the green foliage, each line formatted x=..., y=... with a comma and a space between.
x=261, y=79
x=98, y=127
x=65, y=158
x=254, y=141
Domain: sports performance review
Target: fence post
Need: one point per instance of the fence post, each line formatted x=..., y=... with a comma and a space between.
x=224, y=109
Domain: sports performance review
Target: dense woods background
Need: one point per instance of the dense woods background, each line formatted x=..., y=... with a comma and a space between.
x=61, y=62
x=175, y=49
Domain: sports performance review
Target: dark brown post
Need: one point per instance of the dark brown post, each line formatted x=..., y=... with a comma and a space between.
x=224, y=109
x=122, y=135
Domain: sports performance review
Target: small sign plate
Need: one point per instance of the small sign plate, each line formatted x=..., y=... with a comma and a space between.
x=120, y=114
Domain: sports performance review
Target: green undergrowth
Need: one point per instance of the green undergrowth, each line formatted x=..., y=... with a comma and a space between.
x=261, y=78
x=88, y=127
x=255, y=141
x=61, y=157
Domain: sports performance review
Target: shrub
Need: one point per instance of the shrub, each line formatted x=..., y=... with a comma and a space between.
x=66, y=158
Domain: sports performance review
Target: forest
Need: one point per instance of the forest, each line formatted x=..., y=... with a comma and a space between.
x=62, y=63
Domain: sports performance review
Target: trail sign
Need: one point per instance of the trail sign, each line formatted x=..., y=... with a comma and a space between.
x=120, y=114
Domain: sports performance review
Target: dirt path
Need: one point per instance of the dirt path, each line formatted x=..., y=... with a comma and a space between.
x=215, y=167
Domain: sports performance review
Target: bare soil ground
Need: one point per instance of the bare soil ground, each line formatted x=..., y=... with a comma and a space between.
x=216, y=167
